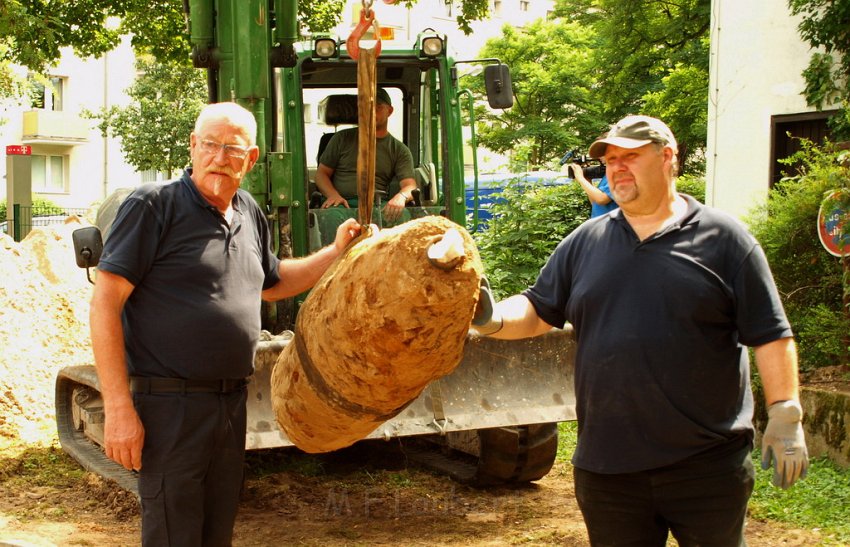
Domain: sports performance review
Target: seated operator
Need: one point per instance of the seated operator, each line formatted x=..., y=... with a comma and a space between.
x=336, y=176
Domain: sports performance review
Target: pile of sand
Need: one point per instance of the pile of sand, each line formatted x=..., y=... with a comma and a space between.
x=44, y=326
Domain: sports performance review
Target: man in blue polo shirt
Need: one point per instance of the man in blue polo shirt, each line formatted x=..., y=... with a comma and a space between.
x=175, y=320
x=664, y=294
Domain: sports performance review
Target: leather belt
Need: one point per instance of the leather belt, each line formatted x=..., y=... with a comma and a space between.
x=140, y=384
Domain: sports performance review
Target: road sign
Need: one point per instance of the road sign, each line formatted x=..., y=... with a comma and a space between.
x=832, y=220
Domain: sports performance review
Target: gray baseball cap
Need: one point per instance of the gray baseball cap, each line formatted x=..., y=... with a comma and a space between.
x=634, y=132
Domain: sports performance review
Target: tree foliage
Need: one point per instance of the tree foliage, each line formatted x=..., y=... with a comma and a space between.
x=595, y=62
x=36, y=30
x=825, y=25
x=555, y=108
x=651, y=57
x=154, y=129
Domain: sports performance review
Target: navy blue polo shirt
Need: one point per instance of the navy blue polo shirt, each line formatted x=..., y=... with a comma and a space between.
x=662, y=373
x=195, y=309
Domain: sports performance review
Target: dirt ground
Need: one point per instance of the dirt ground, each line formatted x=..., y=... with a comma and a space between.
x=369, y=494
x=365, y=495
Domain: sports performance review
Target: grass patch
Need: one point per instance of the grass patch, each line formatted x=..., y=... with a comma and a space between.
x=817, y=502
x=567, y=439
x=40, y=466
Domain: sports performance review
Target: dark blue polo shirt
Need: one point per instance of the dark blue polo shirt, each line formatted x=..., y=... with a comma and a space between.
x=662, y=373
x=195, y=309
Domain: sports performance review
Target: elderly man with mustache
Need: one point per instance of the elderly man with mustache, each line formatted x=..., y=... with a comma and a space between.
x=175, y=320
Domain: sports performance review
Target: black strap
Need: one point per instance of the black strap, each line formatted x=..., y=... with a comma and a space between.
x=140, y=384
x=331, y=396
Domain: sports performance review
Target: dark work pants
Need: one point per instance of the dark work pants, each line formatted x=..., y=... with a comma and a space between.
x=192, y=467
x=701, y=501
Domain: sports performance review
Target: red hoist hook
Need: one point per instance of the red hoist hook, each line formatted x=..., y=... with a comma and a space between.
x=367, y=20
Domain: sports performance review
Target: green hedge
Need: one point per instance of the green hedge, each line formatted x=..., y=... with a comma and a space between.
x=37, y=203
x=809, y=279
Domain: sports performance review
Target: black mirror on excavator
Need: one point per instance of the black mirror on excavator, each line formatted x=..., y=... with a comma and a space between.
x=497, y=82
x=88, y=245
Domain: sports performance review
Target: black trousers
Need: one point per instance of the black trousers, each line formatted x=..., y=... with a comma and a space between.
x=192, y=466
x=701, y=501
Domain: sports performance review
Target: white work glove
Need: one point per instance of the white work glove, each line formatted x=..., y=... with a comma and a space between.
x=783, y=443
x=487, y=320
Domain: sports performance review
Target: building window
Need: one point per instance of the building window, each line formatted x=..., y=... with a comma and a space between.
x=523, y=5
x=48, y=174
x=497, y=8
x=48, y=97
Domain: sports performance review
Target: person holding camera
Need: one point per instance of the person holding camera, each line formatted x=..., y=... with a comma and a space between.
x=601, y=201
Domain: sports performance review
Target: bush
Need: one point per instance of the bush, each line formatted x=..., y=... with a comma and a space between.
x=809, y=279
x=45, y=207
x=691, y=185
x=525, y=229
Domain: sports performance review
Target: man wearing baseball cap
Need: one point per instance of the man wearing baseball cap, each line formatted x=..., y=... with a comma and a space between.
x=664, y=295
x=336, y=176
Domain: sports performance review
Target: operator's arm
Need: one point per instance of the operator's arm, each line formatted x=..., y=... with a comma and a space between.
x=124, y=434
x=299, y=274
x=783, y=442
x=324, y=182
x=395, y=206
x=594, y=194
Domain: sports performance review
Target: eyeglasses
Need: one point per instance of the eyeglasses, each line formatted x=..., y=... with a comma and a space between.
x=230, y=150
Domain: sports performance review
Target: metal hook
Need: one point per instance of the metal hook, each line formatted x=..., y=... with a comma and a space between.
x=367, y=19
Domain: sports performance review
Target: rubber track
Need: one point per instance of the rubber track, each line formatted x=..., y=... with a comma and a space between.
x=510, y=455
x=74, y=442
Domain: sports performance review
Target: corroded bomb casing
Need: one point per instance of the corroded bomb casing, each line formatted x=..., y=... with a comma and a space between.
x=382, y=323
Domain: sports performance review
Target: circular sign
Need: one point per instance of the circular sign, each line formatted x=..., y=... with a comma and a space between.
x=831, y=223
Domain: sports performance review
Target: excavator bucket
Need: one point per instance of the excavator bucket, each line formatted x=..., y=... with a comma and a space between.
x=497, y=384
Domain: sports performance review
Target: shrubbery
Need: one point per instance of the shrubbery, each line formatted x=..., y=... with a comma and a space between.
x=809, y=279
x=43, y=205
x=525, y=229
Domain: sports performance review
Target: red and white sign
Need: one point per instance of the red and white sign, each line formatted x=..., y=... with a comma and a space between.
x=18, y=150
x=832, y=221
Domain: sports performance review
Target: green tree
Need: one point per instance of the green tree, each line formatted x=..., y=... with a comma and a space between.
x=824, y=26
x=650, y=57
x=35, y=30
x=154, y=129
x=555, y=108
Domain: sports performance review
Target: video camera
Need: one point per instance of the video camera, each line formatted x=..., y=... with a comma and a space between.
x=596, y=171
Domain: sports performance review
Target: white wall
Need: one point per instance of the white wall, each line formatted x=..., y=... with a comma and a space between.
x=757, y=58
